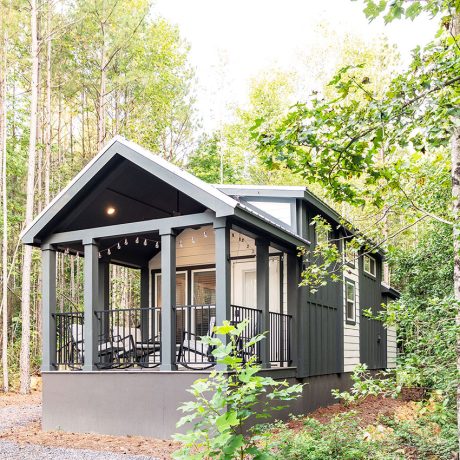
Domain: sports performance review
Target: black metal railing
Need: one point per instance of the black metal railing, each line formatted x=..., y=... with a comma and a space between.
x=193, y=322
x=280, y=338
x=69, y=340
x=253, y=328
x=129, y=337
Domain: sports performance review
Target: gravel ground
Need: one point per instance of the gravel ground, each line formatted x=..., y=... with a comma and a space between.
x=12, y=451
x=15, y=416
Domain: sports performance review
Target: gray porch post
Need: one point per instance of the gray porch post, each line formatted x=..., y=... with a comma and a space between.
x=223, y=280
x=168, y=300
x=104, y=292
x=145, y=304
x=293, y=280
x=91, y=302
x=262, y=275
x=48, y=307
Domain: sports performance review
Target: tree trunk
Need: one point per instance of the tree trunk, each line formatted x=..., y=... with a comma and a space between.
x=48, y=108
x=456, y=213
x=27, y=261
x=102, y=90
x=455, y=171
x=3, y=134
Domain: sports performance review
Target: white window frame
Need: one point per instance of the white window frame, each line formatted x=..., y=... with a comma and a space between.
x=157, y=276
x=192, y=293
x=347, y=300
x=368, y=258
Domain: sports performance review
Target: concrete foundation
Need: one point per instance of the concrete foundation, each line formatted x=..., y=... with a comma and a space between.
x=145, y=402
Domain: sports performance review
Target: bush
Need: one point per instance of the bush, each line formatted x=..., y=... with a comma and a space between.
x=226, y=400
x=366, y=384
x=341, y=438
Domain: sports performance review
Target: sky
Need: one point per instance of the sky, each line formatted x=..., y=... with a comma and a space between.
x=235, y=41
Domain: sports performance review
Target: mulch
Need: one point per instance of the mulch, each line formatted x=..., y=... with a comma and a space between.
x=129, y=445
x=368, y=411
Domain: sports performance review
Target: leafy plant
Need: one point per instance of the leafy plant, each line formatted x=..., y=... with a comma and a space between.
x=341, y=438
x=366, y=384
x=226, y=400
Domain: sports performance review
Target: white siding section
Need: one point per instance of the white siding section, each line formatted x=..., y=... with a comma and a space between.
x=391, y=347
x=351, y=331
x=280, y=210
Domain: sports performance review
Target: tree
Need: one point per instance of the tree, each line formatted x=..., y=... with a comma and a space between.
x=30, y=193
x=3, y=135
x=338, y=143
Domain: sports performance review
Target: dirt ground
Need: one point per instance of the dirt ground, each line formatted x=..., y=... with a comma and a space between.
x=368, y=411
x=133, y=445
x=16, y=399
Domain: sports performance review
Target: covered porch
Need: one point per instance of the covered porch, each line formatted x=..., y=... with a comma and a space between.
x=200, y=258
x=190, y=279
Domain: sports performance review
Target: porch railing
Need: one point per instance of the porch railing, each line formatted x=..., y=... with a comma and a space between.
x=129, y=337
x=195, y=321
x=280, y=338
x=69, y=340
x=254, y=317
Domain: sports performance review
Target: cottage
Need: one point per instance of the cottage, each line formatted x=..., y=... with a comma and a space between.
x=205, y=254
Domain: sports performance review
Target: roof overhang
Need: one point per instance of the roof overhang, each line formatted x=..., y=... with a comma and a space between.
x=209, y=196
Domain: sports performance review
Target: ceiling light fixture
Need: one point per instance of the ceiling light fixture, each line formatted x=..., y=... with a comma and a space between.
x=110, y=210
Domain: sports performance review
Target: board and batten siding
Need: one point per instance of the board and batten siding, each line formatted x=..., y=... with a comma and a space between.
x=351, y=331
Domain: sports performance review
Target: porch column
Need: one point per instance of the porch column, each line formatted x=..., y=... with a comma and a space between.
x=104, y=293
x=91, y=302
x=223, y=280
x=293, y=280
x=48, y=307
x=168, y=300
x=145, y=304
x=262, y=275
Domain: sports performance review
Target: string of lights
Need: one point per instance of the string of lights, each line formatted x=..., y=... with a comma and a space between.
x=119, y=245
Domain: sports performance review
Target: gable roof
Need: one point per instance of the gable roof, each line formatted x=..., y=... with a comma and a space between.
x=214, y=199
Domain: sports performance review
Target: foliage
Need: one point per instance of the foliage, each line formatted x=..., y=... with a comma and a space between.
x=341, y=438
x=205, y=162
x=367, y=384
x=324, y=255
x=352, y=144
x=224, y=402
x=417, y=430
x=425, y=314
x=430, y=432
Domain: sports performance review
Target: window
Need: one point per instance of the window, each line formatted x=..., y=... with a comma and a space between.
x=350, y=297
x=181, y=289
x=349, y=253
x=370, y=265
x=204, y=297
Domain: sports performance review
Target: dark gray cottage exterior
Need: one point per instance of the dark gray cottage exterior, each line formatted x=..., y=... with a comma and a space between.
x=205, y=254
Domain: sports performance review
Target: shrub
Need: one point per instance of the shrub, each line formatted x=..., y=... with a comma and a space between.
x=225, y=401
x=366, y=384
x=341, y=438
